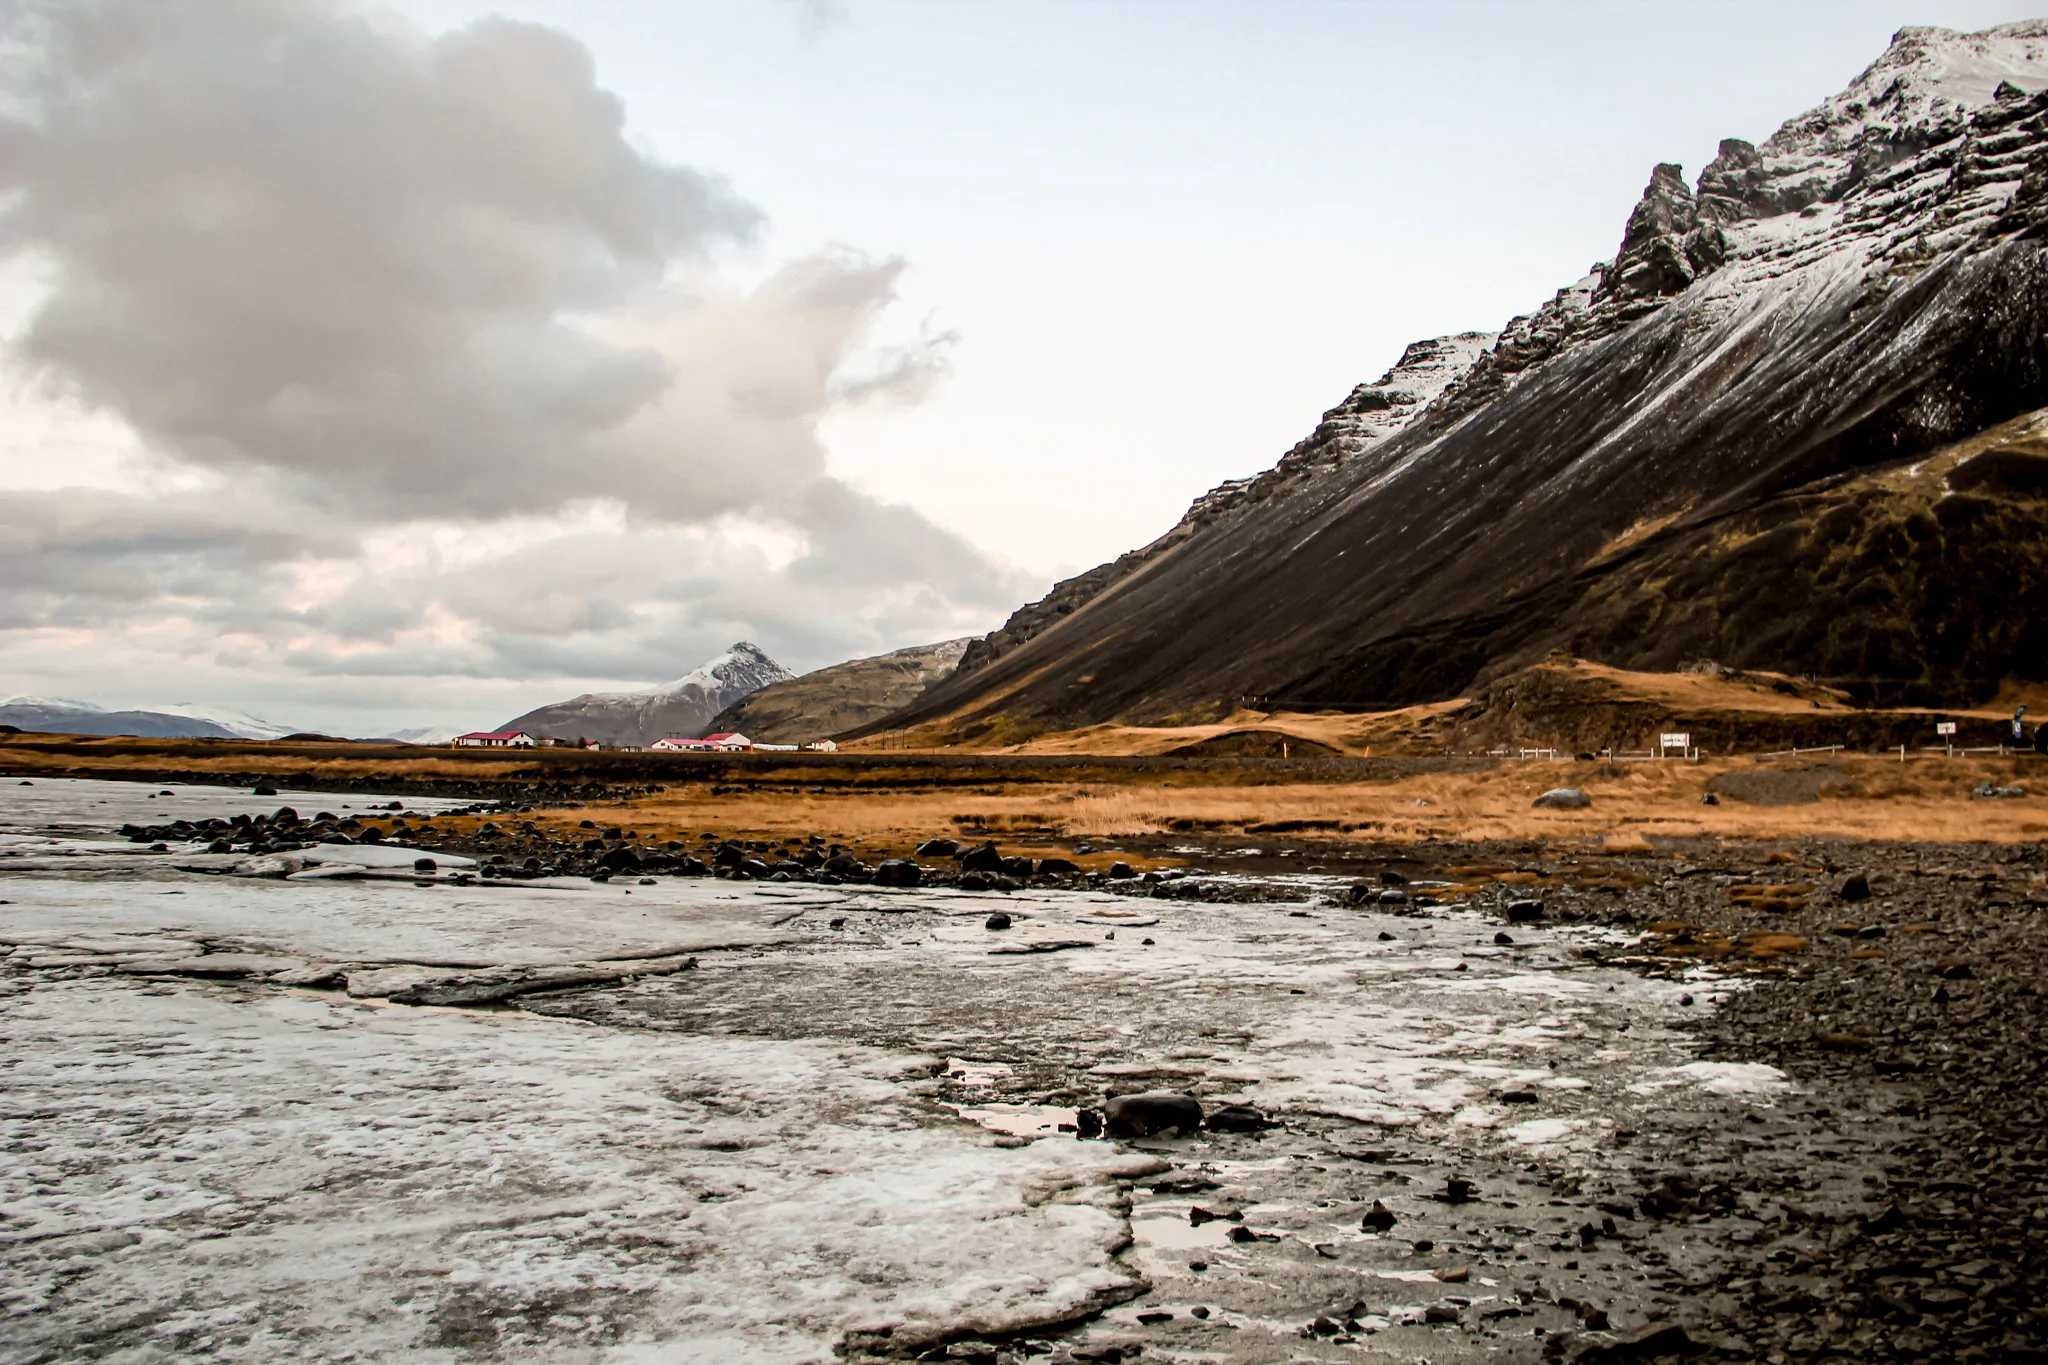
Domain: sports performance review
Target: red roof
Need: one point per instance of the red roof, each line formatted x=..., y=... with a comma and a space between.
x=494, y=734
x=720, y=738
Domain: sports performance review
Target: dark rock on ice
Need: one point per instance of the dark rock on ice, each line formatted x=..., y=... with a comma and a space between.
x=1237, y=1118
x=1151, y=1112
x=897, y=872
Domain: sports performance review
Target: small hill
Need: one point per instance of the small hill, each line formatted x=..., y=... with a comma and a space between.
x=831, y=700
x=684, y=707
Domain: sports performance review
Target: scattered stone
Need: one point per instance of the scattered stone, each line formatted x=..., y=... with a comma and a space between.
x=1457, y=1190
x=1120, y=872
x=1504, y=939
x=1454, y=1274
x=1525, y=911
x=999, y=920
x=1378, y=1218
x=938, y=848
x=1562, y=798
x=1855, y=888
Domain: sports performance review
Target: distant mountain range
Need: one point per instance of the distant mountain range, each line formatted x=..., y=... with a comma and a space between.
x=683, y=708
x=828, y=701
x=63, y=715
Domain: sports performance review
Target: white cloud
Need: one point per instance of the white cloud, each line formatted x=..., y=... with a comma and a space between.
x=390, y=355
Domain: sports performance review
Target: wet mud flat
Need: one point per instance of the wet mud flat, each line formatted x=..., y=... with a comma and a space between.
x=1643, y=1125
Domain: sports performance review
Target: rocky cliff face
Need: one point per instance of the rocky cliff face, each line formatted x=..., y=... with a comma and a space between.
x=683, y=708
x=1866, y=287
x=843, y=697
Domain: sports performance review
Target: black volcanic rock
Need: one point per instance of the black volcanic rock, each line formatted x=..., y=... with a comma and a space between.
x=1734, y=441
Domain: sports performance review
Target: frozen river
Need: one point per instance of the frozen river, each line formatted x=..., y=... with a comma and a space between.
x=790, y=1123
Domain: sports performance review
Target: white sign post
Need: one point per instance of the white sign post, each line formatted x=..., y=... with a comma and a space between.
x=1947, y=730
x=1680, y=742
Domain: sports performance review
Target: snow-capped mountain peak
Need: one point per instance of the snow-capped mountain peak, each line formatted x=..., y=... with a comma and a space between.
x=683, y=707
x=744, y=665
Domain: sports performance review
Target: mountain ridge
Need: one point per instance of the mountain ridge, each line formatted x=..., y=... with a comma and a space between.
x=841, y=697
x=1867, y=285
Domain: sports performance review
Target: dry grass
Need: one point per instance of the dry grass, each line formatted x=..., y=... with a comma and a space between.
x=1924, y=799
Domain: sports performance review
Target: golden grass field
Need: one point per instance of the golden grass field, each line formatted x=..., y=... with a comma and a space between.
x=1926, y=798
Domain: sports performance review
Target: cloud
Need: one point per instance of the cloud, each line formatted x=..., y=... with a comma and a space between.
x=446, y=375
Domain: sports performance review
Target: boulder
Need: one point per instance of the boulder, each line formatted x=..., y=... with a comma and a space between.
x=1378, y=1218
x=1120, y=872
x=1017, y=867
x=1525, y=911
x=1151, y=1112
x=1058, y=867
x=984, y=858
x=620, y=860
x=897, y=872
x=1855, y=888
x=844, y=865
x=999, y=920
x=1562, y=798
x=938, y=848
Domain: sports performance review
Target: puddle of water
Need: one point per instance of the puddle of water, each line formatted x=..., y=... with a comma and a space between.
x=973, y=1073
x=1163, y=1233
x=1017, y=1120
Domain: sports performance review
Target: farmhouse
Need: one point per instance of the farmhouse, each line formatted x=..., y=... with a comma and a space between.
x=496, y=739
x=727, y=743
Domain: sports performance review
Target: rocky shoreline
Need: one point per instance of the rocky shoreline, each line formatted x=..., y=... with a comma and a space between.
x=1896, y=1209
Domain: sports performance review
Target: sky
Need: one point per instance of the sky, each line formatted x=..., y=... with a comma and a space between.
x=405, y=365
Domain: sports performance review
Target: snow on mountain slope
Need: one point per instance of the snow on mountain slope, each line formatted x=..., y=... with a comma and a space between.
x=238, y=722
x=48, y=715
x=1867, y=286
x=683, y=707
